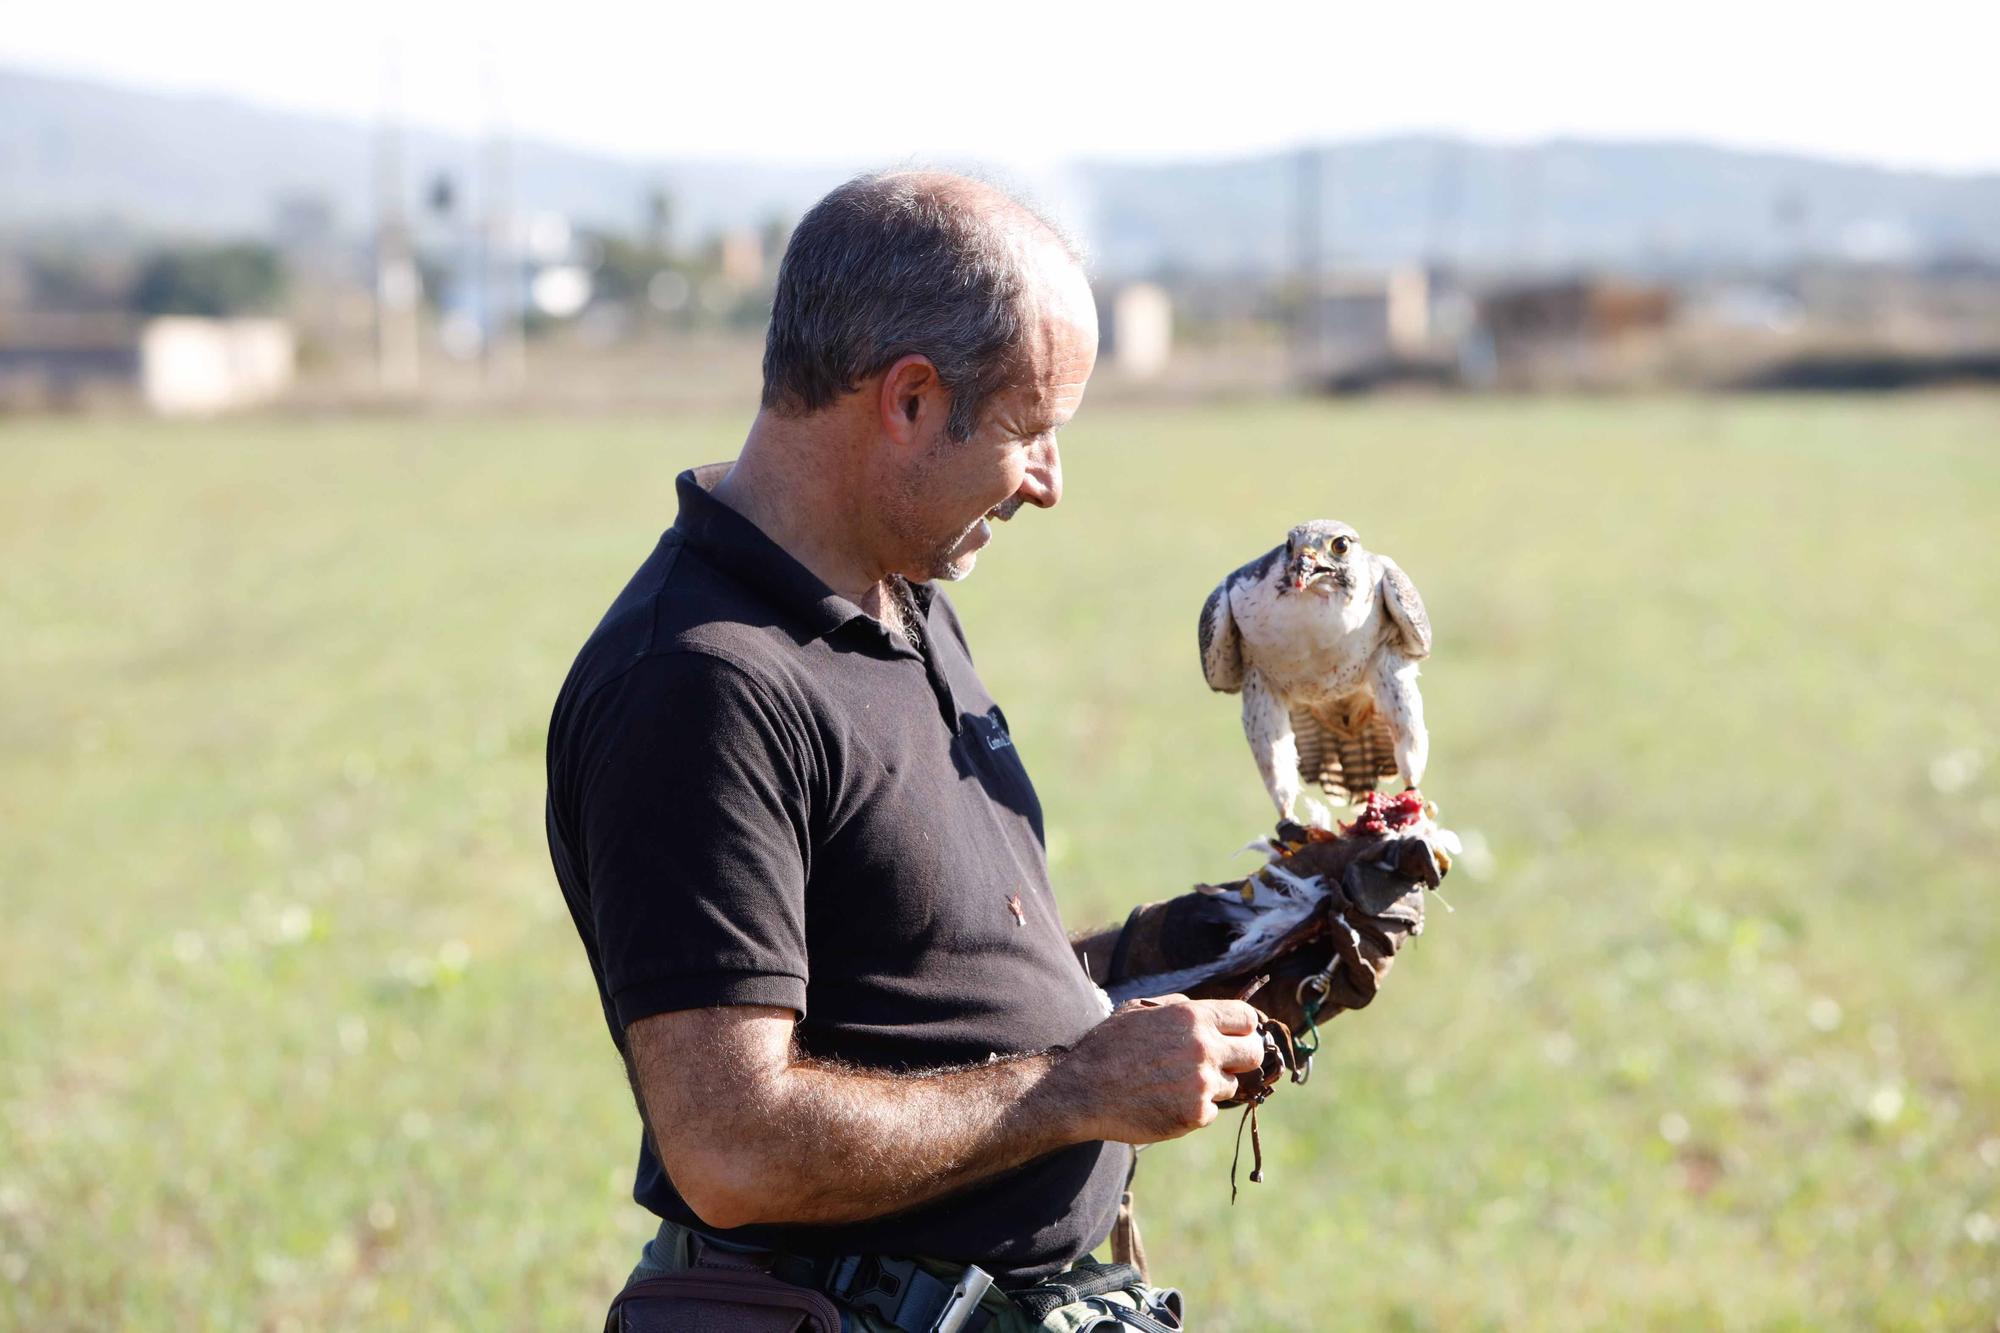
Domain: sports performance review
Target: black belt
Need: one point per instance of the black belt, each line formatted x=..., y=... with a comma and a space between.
x=900, y=1292
x=907, y=1296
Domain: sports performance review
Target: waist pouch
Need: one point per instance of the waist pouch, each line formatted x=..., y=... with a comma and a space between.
x=720, y=1300
x=1092, y=1297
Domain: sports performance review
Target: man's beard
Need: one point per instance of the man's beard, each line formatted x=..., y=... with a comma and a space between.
x=941, y=565
x=942, y=560
x=944, y=564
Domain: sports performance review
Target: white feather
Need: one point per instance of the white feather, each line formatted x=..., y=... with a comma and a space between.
x=1281, y=900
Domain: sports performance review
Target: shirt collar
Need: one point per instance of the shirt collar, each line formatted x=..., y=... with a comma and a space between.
x=742, y=549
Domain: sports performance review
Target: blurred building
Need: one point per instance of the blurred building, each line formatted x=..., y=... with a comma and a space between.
x=741, y=256
x=1571, y=330
x=201, y=367
x=174, y=365
x=1137, y=330
x=1359, y=329
x=67, y=359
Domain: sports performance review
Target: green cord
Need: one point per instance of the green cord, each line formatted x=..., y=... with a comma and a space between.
x=1308, y=1045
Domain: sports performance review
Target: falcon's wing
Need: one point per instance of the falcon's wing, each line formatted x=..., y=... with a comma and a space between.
x=1221, y=643
x=1345, y=748
x=1406, y=609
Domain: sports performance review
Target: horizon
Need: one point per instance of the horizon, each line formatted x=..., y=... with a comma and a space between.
x=1413, y=134
x=1123, y=95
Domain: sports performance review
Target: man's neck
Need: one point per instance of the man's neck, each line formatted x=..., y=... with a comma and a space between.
x=793, y=482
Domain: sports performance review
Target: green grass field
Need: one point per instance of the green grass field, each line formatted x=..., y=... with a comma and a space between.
x=295, y=1033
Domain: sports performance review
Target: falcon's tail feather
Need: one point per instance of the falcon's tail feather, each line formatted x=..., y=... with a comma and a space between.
x=1345, y=755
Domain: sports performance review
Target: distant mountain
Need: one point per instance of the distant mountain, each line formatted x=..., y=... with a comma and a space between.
x=1564, y=203
x=74, y=153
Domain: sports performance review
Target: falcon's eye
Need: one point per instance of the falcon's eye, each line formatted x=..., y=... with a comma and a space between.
x=1340, y=545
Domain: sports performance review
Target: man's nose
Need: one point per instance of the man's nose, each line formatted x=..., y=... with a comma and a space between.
x=1042, y=487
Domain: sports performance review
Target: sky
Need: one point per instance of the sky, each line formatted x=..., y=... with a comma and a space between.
x=1032, y=83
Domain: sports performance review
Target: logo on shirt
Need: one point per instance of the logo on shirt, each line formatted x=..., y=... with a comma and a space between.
x=996, y=730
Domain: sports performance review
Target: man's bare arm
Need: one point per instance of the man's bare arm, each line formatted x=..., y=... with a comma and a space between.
x=751, y=1132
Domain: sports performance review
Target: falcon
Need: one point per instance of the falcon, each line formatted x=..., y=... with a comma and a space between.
x=1322, y=637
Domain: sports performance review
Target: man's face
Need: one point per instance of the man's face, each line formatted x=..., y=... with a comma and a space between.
x=959, y=488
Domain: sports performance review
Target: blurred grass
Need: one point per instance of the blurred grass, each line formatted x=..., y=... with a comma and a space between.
x=297, y=1034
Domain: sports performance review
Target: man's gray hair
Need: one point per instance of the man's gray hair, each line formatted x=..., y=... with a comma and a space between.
x=894, y=264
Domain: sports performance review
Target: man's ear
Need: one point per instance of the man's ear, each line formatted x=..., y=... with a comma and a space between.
x=912, y=400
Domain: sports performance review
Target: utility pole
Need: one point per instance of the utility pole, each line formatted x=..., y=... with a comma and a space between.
x=398, y=288
x=1308, y=172
x=504, y=349
x=1446, y=204
x=1528, y=183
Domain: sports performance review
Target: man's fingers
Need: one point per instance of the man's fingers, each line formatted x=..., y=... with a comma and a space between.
x=1233, y=1018
x=1241, y=1055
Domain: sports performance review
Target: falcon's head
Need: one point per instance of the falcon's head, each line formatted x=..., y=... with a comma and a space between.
x=1324, y=555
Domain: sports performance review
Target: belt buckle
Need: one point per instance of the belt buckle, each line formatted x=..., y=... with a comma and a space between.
x=873, y=1286
x=864, y=1282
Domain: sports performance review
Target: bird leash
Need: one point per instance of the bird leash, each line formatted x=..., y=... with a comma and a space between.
x=1281, y=1057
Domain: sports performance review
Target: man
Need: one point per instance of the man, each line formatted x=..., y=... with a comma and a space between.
x=799, y=845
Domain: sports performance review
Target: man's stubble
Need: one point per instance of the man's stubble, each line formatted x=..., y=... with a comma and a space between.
x=941, y=560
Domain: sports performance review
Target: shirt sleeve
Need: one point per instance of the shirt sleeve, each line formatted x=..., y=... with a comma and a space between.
x=693, y=814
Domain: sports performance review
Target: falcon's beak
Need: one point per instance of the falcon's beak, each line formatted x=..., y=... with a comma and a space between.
x=1303, y=569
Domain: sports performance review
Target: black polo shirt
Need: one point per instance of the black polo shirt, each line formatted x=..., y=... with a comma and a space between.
x=759, y=795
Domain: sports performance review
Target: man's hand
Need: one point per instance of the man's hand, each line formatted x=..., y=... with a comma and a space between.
x=1157, y=1068
x=750, y=1131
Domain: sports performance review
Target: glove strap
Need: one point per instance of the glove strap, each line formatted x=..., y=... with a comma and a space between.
x=1312, y=994
x=1121, y=951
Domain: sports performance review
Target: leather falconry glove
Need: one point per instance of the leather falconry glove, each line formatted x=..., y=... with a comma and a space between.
x=1324, y=919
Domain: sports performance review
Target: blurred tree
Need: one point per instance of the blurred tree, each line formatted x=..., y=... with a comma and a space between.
x=750, y=314
x=211, y=280
x=624, y=267
x=434, y=279
x=63, y=279
x=660, y=220
x=774, y=235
